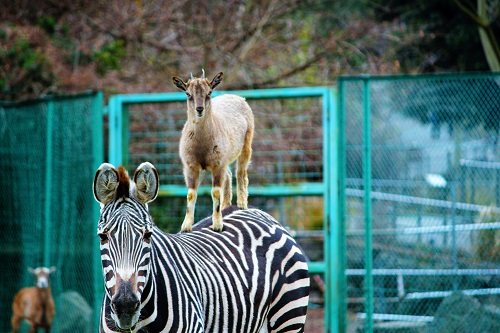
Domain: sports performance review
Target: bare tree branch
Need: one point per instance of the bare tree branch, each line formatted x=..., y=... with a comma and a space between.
x=289, y=73
x=479, y=20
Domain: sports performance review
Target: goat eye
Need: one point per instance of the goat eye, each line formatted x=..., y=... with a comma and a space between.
x=104, y=237
x=188, y=95
x=147, y=236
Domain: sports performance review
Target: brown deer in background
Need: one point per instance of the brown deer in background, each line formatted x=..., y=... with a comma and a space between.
x=35, y=304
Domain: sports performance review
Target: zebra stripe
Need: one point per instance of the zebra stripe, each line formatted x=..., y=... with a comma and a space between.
x=250, y=275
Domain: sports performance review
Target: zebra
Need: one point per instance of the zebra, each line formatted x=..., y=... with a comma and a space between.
x=250, y=276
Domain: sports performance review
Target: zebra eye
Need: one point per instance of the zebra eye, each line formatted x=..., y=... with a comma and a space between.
x=104, y=238
x=147, y=236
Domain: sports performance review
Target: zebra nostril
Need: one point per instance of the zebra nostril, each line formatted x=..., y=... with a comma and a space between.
x=125, y=305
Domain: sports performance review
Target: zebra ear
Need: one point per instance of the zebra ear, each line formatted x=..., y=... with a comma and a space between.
x=105, y=183
x=146, y=180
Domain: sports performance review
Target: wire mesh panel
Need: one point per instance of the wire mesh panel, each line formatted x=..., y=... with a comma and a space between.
x=435, y=181
x=48, y=156
x=287, y=150
x=287, y=144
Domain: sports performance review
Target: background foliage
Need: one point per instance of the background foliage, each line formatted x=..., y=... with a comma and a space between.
x=63, y=46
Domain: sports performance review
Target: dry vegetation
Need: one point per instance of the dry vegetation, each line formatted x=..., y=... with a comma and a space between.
x=63, y=46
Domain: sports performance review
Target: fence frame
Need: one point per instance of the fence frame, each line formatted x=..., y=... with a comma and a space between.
x=369, y=195
x=98, y=151
x=97, y=106
x=331, y=189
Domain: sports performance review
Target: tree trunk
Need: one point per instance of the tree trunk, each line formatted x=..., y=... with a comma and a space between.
x=487, y=38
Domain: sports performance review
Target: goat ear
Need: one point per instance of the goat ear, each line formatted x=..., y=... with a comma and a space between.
x=105, y=183
x=216, y=80
x=179, y=83
x=146, y=181
x=31, y=270
x=52, y=269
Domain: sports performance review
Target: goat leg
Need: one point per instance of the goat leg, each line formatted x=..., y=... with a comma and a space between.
x=242, y=178
x=192, y=180
x=228, y=193
x=218, y=178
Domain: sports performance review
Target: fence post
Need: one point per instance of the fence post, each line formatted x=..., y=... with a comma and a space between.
x=340, y=122
x=115, y=127
x=98, y=155
x=497, y=187
x=367, y=203
x=335, y=316
x=454, y=233
x=48, y=185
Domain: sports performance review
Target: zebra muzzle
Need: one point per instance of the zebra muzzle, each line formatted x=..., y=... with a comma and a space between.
x=126, y=306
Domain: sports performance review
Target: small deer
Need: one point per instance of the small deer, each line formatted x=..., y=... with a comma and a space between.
x=217, y=132
x=35, y=304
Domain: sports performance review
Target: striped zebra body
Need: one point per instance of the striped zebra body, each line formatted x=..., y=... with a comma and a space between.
x=250, y=275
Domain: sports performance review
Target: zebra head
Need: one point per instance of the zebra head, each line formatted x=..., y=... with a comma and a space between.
x=125, y=229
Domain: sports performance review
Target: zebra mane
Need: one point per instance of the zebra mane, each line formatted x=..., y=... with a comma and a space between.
x=123, y=183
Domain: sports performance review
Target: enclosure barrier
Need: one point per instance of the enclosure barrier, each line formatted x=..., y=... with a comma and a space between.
x=400, y=174
x=294, y=158
x=421, y=207
x=49, y=151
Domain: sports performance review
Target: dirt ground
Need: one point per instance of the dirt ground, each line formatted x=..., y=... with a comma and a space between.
x=315, y=322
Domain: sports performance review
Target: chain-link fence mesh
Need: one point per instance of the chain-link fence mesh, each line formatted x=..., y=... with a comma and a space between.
x=287, y=150
x=435, y=162
x=435, y=193
x=47, y=213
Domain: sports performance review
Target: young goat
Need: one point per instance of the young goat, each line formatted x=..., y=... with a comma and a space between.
x=217, y=132
x=35, y=304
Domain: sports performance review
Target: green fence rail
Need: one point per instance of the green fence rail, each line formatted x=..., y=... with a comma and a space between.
x=49, y=151
x=422, y=214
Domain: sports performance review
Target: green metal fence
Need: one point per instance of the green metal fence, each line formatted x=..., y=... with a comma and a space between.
x=49, y=151
x=290, y=173
x=419, y=251
x=422, y=213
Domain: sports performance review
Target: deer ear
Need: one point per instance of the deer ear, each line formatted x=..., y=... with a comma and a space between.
x=146, y=181
x=216, y=80
x=105, y=183
x=179, y=83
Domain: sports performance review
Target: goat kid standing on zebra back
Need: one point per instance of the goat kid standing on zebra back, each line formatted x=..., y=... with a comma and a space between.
x=217, y=132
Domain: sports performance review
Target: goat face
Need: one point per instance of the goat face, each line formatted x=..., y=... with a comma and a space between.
x=125, y=229
x=42, y=275
x=199, y=93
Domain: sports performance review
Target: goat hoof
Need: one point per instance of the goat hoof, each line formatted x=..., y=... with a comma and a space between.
x=243, y=206
x=217, y=223
x=186, y=227
x=217, y=226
